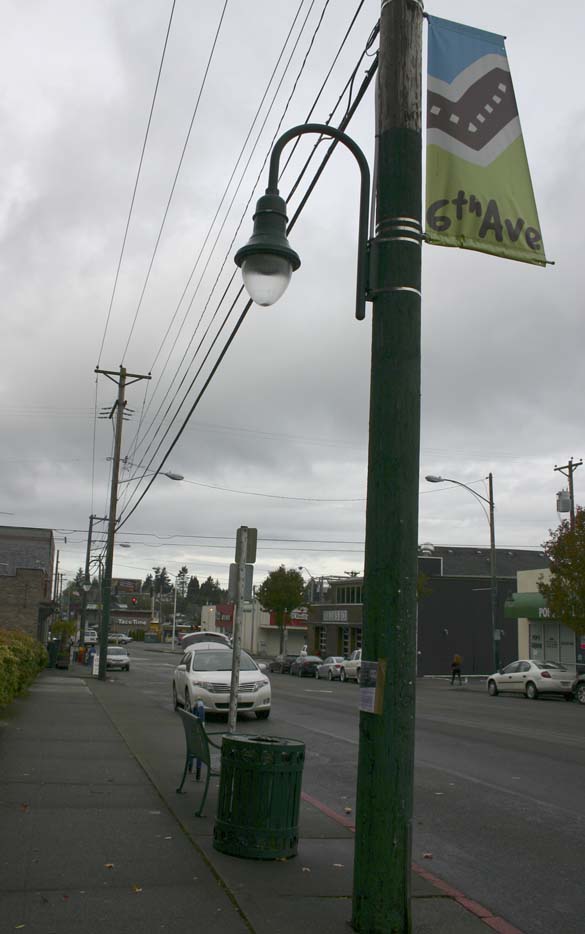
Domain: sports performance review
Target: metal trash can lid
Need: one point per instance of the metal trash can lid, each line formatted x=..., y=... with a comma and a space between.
x=261, y=740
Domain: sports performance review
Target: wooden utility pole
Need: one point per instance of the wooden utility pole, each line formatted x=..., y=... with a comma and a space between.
x=568, y=470
x=121, y=378
x=382, y=868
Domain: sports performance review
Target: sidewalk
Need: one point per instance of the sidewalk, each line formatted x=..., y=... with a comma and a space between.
x=95, y=839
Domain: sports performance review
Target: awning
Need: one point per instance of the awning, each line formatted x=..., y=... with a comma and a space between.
x=526, y=606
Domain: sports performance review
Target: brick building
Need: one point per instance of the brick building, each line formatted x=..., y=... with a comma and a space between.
x=26, y=579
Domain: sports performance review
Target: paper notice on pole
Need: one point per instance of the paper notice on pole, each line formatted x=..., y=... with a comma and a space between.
x=372, y=676
x=96, y=665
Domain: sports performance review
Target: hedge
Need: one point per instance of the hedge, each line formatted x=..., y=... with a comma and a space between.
x=21, y=659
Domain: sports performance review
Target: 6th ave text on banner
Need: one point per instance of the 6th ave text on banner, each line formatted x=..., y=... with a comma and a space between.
x=479, y=194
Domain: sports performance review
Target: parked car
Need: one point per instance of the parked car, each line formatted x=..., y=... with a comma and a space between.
x=117, y=657
x=531, y=678
x=330, y=668
x=119, y=638
x=350, y=669
x=579, y=688
x=193, y=638
x=204, y=673
x=305, y=666
x=281, y=663
x=91, y=636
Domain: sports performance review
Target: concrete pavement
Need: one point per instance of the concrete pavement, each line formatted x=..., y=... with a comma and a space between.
x=95, y=838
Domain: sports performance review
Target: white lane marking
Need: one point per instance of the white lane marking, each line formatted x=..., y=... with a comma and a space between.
x=317, y=691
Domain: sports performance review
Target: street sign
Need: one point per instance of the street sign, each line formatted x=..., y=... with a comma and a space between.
x=233, y=583
x=250, y=556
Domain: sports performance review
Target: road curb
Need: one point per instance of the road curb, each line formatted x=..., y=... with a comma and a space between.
x=495, y=922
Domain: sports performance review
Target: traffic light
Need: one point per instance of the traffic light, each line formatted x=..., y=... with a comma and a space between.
x=134, y=600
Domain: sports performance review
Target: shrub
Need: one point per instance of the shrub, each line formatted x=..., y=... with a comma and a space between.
x=137, y=635
x=21, y=659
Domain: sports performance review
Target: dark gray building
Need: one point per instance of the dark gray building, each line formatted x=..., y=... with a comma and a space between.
x=454, y=609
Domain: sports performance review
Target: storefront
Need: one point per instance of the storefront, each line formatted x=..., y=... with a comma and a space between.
x=539, y=636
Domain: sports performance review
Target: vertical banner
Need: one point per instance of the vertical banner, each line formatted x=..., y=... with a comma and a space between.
x=478, y=193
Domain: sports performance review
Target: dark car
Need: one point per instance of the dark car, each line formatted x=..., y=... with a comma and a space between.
x=305, y=666
x=281, y=663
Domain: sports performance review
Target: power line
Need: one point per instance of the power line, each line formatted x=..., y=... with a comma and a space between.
x=136, y=182
x=346, y=119
x=234, y=195
x=170, y=198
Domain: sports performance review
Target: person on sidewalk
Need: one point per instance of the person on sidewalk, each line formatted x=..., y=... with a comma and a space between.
x=456, y=668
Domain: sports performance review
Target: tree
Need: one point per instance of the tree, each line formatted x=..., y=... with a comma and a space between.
x=182, y=581
x=282, y=592
x=211, y=592
x=162, y=581
x=193, y=590
x=565, y=591
x=148, y=584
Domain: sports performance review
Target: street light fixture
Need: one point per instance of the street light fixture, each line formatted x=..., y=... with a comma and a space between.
x=432, y=478
x=267, y=260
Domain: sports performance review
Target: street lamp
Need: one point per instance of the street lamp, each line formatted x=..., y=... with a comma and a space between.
x=388, y=275
x=493, y=575
x=267, y=260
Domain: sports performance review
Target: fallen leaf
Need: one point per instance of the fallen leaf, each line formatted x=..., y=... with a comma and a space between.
x=427, y=855
x=154, y=812
x=109, y=865
x=168, y=838
x=19, y=926
x=65, y=898
x=136, y=888
x=306, y=869
x=338, y=865
x=281, y=859
x=347, y=810
x=24, y=807
x=439, y=794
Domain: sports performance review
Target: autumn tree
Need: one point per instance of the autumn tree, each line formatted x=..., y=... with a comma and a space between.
x=565, y=591
x=281, y=593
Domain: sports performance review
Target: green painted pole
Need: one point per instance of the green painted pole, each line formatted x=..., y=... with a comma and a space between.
x=381, y=895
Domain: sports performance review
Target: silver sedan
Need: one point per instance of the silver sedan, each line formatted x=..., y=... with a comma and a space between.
x=331, y=668
x=531, y=678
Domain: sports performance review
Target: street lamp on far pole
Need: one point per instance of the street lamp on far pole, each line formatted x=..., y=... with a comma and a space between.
x=493, y=575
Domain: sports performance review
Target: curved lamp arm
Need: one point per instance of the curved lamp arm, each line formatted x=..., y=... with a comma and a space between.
x=268, y=252
x=477, y=495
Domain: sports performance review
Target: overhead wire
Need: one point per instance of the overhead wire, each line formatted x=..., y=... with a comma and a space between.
x=228, y=252
x=349, y=114
x=125, y=237
x=172, y=192
x=234, y=195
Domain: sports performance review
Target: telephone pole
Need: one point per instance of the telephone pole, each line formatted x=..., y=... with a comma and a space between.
x=568, y=470
x=382, y=867
x=121, y=379
x=85, y=587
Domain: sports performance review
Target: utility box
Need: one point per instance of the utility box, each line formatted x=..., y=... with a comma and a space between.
x=563, y=501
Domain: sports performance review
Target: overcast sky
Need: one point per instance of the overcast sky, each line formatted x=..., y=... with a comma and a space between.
x=286, y=414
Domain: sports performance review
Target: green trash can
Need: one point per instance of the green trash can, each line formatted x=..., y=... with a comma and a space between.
x=259, y=796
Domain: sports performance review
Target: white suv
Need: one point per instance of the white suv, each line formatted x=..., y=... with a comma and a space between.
x=350, y=670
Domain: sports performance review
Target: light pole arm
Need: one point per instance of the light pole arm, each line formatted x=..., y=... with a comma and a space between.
x=323, y=130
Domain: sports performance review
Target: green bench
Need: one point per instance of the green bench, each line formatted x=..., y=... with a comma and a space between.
x=198, y=747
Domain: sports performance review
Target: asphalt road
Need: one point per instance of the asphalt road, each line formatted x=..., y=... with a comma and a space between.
x=499, y=783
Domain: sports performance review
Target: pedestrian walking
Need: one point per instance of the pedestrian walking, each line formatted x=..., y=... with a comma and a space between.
x=456, y=668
